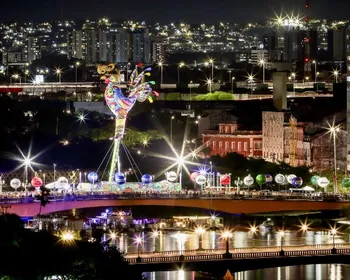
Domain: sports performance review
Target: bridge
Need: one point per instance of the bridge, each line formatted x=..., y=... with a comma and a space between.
x=241, y=259
x=249, y=204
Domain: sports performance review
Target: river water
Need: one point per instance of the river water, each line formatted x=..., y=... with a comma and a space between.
x=169, y=241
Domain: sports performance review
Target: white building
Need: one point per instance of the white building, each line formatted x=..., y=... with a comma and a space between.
x=257, y=55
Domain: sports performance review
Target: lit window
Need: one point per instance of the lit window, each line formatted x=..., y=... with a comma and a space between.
x=239, y=146
x=233, y=146
x=245, y=146
x=220, y=144
x=214, y=145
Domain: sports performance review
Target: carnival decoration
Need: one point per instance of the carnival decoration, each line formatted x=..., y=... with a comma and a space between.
x=248, y=180
x=323, y=182
x=146, y=179
x=346, y=183
x=92, y=177
x=193, y=176
x=171, y=176
x=290, y=178
x=280, y=179
x=260, y=179
x=314, y=180
x=297, y=181
x=120, y=178
x=15, y=183
x=201, y=180
x=268, y=178
x=120, y=104
x=36, y=182
x=225, y=180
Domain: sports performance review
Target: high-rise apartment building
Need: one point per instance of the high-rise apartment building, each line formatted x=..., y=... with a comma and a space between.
x=339, y=51
x=119, y=45
x=33, y=52
x=141, y=46
x=76, y=44
x=90, y=43
x=103, y=45
x=159, y=51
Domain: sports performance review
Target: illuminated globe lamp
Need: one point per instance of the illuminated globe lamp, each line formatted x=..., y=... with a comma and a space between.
x=92, y=177
x=260, y=179
x=194, y=175
x=290, y=178
x=225, y=180
x=346, y=183
x=120, y=178
x=248, y=181
x=297, y=182
x=268, y=178
x=146, y=179
x=280, y=179
x=15, y=183
x=314, y=180
x=36, y=182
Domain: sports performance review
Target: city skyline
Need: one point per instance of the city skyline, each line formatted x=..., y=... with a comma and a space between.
x=198, y=11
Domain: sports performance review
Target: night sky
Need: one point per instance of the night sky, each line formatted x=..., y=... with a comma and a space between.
x=192, y=11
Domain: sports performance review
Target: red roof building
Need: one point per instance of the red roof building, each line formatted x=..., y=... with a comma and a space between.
x=229, y=139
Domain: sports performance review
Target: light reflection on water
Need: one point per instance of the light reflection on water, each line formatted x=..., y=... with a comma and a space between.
x=167, y=241
x=306, y=272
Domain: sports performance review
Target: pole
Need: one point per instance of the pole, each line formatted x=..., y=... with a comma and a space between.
x=138, y=249
x=212, y=70
x=178, y=74
x=54, y=176
x=232, y=85
x=161, y=75
x=171, y=130
x=333, y=241
x=76, y=73
x=335, y=164
x=26, y=183
x=263, y=66
x=282, y=242
x=315, y=72
x=227, y=246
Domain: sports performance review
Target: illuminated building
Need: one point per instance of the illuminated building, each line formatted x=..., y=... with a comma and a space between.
x=348, y=95
x=229, y=139
x=159, y=51
x=119, y=45
x=32, y=49
x=141, y=46
x=258, y=55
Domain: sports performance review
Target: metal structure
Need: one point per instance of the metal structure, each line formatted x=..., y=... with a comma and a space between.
x=307, y=59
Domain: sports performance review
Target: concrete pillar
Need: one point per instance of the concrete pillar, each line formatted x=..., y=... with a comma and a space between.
x=280, y=90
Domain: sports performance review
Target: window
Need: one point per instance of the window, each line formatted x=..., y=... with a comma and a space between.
x=208, y=143
x=220, y=144
x=232, y=129
x=239, y=147
x=233, y=146
x=214, y=145
x=245, y=146
x=226, y=145
x=226, y=129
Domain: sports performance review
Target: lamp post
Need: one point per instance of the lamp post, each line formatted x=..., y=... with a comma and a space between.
x=315, y=63
x=335, y=73
x=171, y=129
x=333, y=130
x=17, y=77
x=54, y=176
x=113, y=237
x=200, y=231
x=250, y=81
x=191, y=83
x=232, y=79
x=209, y=83
x=211, y=61
x=77, y=64
x=281, y=233
x=333, y=232
x=227, y=235
x=229, y=75
x=253, y=230
x=181, y=64
x=160, y=64
x=262, y=63
x=59, y=74
x=138, y=242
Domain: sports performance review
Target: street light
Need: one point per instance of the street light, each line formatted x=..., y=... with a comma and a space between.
x=333, y=130
x=209, y=83
x=200, y=231
x=160, y=64
x=138, y=242
x=250, y=80
x=262, y=64
x=211, y=61
x=171, y=129
x=335, y=73
x=227, y=235
x=59, y=74
x=77, y=64
x=113, y=237
x=16, y=77
x=281, y=233
x=333, y=232
x=181, y=64
x=293, y=75
x=232, y=79
x=191, y=83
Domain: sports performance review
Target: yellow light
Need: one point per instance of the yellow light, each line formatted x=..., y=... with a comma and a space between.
x=138, y=240
x=281, y=232
x=113, y=235
x=226, y=234
x=333, y=231
x=67, y=236
x=199, y=230
x=155, y=233
x=253, y=229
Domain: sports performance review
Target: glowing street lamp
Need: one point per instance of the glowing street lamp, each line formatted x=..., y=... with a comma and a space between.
x=67, y=237
x=281, y=233
x=171, y=129
x=77, y=64
x=113, y=237
x=315, y=63
x=232, y=79
x=333, y=130
x=227, y=235
x=262, y=64
x=138, y=241
x=211, y=61
x=59, y=74
x=209, y=83
x=160, y=64
x=250, y=81
x=200, y=231
x=17, y=77
x=333, y=233
x=304, y=227
x=335, y=74
x=181, y=64
x=253, y=229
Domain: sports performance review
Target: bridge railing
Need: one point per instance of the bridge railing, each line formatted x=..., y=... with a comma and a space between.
x=21, y=198
x=247, y=255
x=240, y=250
